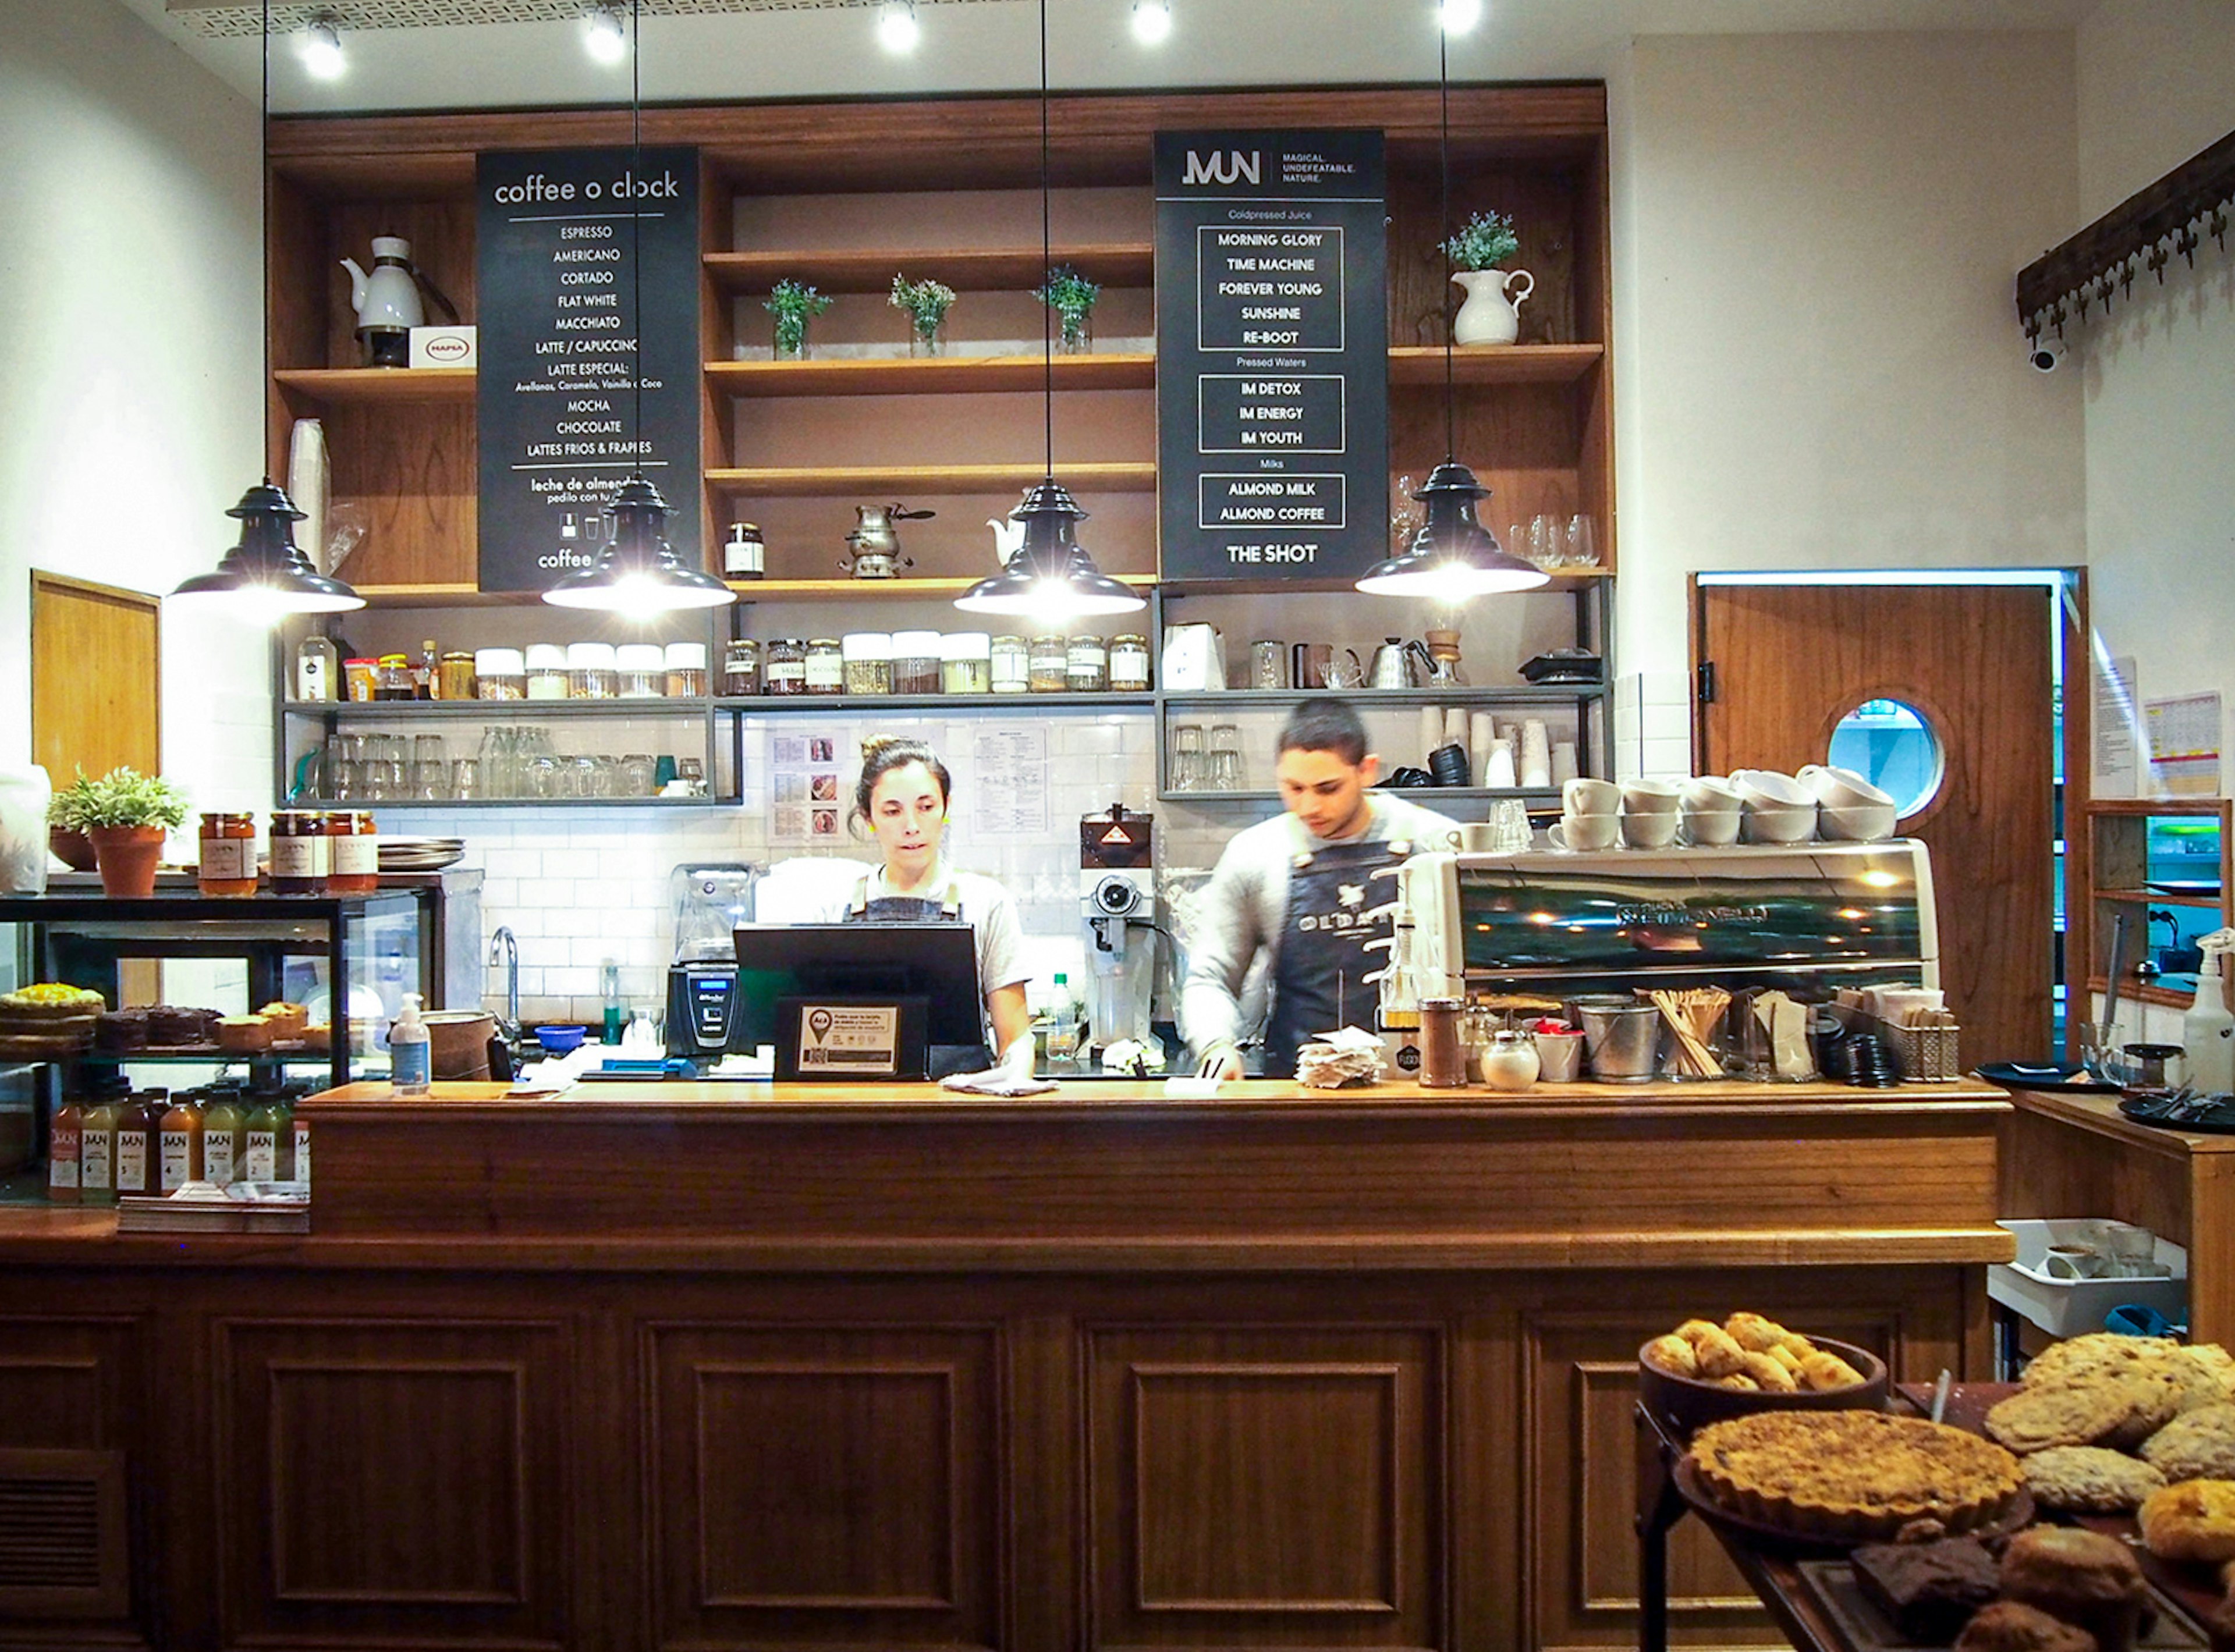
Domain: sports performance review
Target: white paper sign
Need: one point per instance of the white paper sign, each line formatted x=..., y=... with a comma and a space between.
x=2118, y=730
x=1010, y=782
x=2184, y=746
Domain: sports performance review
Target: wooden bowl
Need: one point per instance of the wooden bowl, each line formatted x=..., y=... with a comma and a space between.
x=1683, y=1404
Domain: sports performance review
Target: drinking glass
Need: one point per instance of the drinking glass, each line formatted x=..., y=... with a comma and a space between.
x=430, y=781
x=1225, y=757
x=1544, y=541
x=1062, y=1040
x=636, y=776
x=427, y=748
x=466, y=779
x=1187, y=772
x=1582, y=549
x=343, y=779
x=692, y=772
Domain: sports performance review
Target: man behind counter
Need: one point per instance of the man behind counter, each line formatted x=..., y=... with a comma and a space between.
x=1300, y=887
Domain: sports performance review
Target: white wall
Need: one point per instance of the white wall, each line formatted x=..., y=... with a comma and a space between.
x=130, y=279
x=1818, y=362
x=2159, y=377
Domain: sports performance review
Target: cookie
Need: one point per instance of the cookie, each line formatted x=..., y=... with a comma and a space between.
x=2191, y=1520
x=2012, y=1626
x=2215, y=1362
x=2089, y=1479
x=2156, y=1394
x=2197, y=1444
x=2098, y=1353
x=2059, y=1413
x=2084, y=1578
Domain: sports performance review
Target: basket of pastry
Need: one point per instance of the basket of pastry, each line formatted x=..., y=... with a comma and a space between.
x=1833, y=1479
x=47, y=1021
x=1702, y=1372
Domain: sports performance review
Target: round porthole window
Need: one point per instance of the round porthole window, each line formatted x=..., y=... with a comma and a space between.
x=1891, y=744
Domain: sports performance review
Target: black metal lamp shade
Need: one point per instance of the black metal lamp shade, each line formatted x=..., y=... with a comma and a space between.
x=266, y=571
x=637, y=571
x=1050, y=574
x=1453, y=556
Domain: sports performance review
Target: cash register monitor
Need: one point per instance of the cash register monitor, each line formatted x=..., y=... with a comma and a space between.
x=938, y=961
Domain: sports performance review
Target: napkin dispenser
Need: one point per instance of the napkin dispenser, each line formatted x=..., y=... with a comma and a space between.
x=1195, y=660
x=1807, y=919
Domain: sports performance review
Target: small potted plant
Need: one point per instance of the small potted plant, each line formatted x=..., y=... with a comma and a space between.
x=125, y=814
x=1072, y=296
x=1490, y=314
x=926, y=303
x=794, y=304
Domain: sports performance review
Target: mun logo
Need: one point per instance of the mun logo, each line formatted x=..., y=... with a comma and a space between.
x=1230, y=168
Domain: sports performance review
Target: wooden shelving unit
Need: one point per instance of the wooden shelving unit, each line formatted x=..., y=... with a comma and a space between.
x=858, y=481
x=929, y=374
x=378, y=386
x=2116, y=882
x=967, y=269
x=1418, y=365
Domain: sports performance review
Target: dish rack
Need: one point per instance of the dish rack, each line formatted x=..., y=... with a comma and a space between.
x=1924, y=1054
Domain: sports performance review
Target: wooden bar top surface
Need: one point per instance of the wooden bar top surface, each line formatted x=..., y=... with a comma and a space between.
x=1097, y=1176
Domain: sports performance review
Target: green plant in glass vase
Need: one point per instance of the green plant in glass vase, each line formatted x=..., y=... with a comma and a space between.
x=926, y=303
x=794, y=303
x=1072, y=296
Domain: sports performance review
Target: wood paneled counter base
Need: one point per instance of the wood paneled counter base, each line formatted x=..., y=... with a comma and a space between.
x=729, y=1366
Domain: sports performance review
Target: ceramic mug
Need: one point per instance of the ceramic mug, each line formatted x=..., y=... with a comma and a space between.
x=1648, y=831
x=2072, y=1262
x=1588, y=796
x=1583, y=833
x=1711, y=826
x=1650, y=797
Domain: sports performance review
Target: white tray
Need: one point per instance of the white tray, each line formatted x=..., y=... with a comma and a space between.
x=2075, y=1307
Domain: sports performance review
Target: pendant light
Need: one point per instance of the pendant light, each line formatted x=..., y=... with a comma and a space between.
x=1453, y=556
x=265, y=576
x=636, y=572
x=1050, y=575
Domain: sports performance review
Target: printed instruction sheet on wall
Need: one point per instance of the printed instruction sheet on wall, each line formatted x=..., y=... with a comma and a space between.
x=807, y=801
x=2185, y=746
x=1009, y=780
x=2118, y=730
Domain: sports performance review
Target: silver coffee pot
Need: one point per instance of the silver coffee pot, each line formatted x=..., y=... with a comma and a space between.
x=874, y=547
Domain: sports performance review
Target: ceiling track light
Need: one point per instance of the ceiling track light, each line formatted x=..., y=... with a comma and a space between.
x=1458, y=17
x=318, y=44
x=897, y=28
x=1152, y=21
x=605, y=33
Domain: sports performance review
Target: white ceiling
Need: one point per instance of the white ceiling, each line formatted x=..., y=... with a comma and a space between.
x=821, y=50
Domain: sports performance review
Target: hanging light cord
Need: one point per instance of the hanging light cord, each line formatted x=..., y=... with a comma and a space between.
x=1047, y=255
x=264, y=229
x=1444, y=209
x=636, y=233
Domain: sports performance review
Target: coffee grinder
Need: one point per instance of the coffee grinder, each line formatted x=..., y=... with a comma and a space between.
x=709, y=902
x=1117, y=899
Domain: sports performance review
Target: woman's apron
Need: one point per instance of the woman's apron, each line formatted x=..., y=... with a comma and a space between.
x=917, y=909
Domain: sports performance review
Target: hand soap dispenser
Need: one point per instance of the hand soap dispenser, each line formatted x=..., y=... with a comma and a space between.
x=2207, y=1031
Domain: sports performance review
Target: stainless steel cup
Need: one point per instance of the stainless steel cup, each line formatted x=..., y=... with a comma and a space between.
x=1621, y=1038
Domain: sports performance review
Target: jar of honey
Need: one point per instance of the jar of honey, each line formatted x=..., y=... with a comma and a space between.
x=299, y=853
x=228, y=856
x=353, y=854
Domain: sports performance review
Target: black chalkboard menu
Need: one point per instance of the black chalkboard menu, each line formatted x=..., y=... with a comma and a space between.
x=559, y=267
x=1272, y=355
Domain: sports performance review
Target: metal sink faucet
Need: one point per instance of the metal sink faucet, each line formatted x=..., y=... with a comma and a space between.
x=504, y=949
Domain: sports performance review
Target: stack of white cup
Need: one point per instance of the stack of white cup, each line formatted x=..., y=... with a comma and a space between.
x=1711, y=810
x=1589, y=819
x=1649, y=813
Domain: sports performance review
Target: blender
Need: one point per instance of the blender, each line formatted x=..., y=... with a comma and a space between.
x=709, y=901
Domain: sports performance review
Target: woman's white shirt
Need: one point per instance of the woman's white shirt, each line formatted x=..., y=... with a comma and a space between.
x=986, y=909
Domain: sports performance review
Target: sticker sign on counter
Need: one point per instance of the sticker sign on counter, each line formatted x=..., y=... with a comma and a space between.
x=1272, y=354
x=567, y=238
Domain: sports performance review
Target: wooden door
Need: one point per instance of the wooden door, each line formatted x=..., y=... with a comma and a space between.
x=96, y=678
x=1789, y=662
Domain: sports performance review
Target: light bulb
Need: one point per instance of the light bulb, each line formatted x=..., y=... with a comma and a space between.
x=319, y=46
x=897, y=28
x=1457, y=16
x=605, y=35
x=1152, y=21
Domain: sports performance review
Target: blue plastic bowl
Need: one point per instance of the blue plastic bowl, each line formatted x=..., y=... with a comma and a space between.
x=558, y=1040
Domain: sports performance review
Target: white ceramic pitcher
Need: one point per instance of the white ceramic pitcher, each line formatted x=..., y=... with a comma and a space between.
x=1492, y=312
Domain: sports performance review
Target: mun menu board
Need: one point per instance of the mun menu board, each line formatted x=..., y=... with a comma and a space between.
x=569, y=239
x=1272, y=355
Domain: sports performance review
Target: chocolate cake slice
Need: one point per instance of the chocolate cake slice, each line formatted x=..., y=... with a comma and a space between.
x=1929, y=1590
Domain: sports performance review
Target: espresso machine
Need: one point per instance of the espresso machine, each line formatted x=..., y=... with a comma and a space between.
x=709, y=901
x=1118, y=901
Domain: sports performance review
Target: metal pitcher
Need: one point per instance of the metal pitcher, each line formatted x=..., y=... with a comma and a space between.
x=874, y=545
x=1400, y=663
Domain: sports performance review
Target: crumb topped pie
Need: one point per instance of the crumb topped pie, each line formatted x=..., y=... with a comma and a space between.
x=1853, y=1474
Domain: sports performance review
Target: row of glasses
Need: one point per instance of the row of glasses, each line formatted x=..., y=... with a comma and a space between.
x=1215, y=766
x=1552, y=541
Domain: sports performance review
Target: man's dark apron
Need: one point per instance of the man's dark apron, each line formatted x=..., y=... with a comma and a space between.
x=1336, y=905
x=917, y=909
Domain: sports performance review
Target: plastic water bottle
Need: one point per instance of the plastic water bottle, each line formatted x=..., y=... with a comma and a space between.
x=1063, y=1022
x=408, y=1057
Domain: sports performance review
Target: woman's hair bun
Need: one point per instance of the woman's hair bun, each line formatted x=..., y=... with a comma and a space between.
x=878, y=743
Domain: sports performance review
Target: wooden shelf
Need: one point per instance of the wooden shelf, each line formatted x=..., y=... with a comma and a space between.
x=881, y=590
x=2154, y=898
x=929, y=374
x=847, y=482
x=1115, y=265
x=2133, y=990
x=1508, y=365
x=443, y=596
x=342, y=386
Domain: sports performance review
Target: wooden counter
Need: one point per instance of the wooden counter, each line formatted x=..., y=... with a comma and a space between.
x=752, y=1366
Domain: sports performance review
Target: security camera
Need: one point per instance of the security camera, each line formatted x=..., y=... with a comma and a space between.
x=2044, y=355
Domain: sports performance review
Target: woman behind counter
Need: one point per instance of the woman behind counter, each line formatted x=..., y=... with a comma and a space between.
x=902, y=798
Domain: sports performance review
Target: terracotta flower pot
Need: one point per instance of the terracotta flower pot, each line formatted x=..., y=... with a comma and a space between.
x=74, y=849
x=127, y=857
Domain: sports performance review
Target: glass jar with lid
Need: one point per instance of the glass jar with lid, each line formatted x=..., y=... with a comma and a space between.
x=966, y=662
x=640, y=669
x=741, y=666
x=393, y=680
x=317, y=669
x=784, y=666
x=299, y=854
x=1050, y=664
x=915, y=662
x=1086, y=667
x=500, y=674
x=867, y=657
x=593, y=674
x=228, y=856
x=1011, y=662
x=1129, y=663
x=353, y=854
x=455, y=675
x=826, y=666
x=360, y=678
x=547, y=671
x=686, y=665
